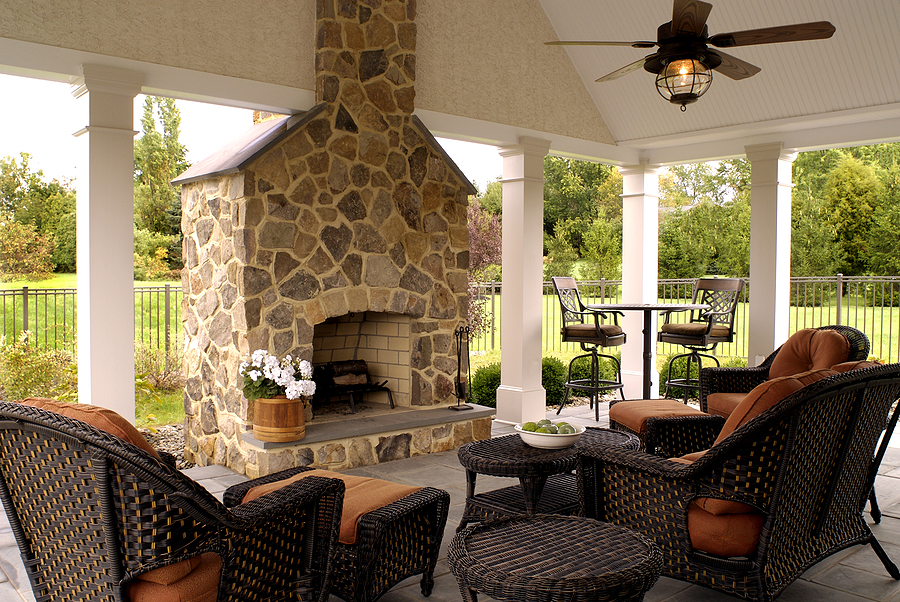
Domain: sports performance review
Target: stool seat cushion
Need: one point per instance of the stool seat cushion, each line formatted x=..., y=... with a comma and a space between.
x=723, y=404
x=634, y=414
x=582, y=330
x=98, y=417
x=361, y=496
x=694, y=329
x=809, y=349
x=192, y=580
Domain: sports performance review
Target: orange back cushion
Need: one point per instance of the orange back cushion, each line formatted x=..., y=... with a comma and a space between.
x=98, y=417
x=810, y=349
x=766, y=395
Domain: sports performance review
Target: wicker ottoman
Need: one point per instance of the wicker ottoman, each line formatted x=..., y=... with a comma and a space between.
x=547, y=558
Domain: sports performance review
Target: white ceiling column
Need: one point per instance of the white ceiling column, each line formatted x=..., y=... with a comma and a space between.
x=105, y=229
x=640, y=269
x=770, y=248
x=521, y=397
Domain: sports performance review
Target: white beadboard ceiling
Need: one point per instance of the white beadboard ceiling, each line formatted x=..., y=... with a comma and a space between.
x=844, y=90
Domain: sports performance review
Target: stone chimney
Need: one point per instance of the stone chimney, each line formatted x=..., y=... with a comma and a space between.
x=339, y=233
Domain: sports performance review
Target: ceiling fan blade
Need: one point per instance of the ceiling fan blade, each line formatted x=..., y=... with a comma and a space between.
x=641, y=44
x=734, y=67
x=624, y=70
x=689, y=16
x=818, y=30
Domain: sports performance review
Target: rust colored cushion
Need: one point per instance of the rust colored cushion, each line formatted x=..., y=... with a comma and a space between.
x=726, y=535
x=361, y=495
x=810, y=349
x=723, y=404
x=192, y=580
x=857, y=365
x=696, y=329
x=766, y=395
x=98, y=417
x=609, y=330
x=634, y=414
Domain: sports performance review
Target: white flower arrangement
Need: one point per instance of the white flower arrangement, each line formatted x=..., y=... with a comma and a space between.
x=266, y=376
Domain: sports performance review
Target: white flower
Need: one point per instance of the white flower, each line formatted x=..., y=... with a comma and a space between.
x=291, y=376
x=254, y=375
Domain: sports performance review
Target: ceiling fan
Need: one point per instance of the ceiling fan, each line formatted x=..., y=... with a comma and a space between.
x=684, y=62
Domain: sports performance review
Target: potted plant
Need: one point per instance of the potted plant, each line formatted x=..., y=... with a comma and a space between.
x=278, y=389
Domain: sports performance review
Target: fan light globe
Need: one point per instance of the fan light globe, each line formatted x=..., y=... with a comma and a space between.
x=683, y=81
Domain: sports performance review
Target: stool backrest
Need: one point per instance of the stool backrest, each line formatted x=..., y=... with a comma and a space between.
x=722, y=296
x=569, y=300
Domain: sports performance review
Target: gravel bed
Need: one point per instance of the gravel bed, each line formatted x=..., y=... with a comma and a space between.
x=169, y=438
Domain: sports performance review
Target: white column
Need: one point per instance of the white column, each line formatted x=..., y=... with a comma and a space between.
x=770, y=248
x=105, y=229
x=521, y=397
x=640, y=270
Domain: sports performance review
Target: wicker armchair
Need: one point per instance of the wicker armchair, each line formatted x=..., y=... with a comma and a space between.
x=804, y=467
x=743, y=380
x=91, y=512
x=394, y=542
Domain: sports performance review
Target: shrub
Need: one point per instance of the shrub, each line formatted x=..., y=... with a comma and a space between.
x=679, y=368
x=162, y=370
x=484, y=385
x=26, y=371
x=553, y=379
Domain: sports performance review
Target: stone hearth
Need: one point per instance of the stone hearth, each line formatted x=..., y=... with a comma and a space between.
x=351, y=208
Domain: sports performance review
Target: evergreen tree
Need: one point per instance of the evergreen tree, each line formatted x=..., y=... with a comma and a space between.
x=851, y=193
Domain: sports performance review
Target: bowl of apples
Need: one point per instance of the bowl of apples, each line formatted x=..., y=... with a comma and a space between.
x=549, y=435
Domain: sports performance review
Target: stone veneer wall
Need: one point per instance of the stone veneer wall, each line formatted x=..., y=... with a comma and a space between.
x=354, y=209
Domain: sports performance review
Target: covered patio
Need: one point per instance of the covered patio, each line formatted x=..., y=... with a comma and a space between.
x=484, y=75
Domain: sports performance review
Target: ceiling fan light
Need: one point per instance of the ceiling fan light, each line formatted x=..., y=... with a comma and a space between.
x=683, y=81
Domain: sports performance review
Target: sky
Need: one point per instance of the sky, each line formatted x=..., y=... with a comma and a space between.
x=40, y=117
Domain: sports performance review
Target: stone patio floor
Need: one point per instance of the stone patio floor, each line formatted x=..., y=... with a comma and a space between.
x=854, y=575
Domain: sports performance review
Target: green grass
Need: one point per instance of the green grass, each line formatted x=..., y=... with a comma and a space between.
x=168, y=410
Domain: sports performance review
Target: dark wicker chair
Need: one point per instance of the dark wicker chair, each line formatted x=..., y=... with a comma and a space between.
x=743, y=380
x=90, y=512
x=806, y=464
x=395, y=542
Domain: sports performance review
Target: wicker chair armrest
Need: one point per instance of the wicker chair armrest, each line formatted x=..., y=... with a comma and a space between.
x=168, y=459
x=671, y=437
x=730, y=380
x=288, y=499
x=234, y=495
x=402, y=520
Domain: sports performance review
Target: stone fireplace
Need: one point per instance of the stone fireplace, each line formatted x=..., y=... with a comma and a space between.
x=339, y=233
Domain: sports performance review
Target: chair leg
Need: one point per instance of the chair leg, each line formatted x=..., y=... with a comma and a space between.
x=885, y=559
x=874, y=510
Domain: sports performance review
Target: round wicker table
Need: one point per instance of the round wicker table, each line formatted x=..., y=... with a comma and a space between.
x=548, y=558
x=546, y=483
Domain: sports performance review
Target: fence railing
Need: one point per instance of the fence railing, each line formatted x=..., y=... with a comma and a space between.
x=49, y=315
x=868, y=303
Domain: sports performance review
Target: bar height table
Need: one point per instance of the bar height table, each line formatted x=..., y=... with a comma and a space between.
x=648, y=309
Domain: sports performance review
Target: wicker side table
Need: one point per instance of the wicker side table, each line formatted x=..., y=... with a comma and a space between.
x=545, y=558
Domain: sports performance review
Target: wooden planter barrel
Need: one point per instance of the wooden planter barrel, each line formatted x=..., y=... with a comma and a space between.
x=279, y=419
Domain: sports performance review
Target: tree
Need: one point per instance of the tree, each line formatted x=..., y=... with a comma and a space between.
x=485, y=251
x=158, y=158
x=492, y=199
x=851, y=193
x=884, y=235
x=24, y=253
x=571, y=191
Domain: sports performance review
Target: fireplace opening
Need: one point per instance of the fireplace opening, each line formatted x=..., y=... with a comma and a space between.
x=380, y=339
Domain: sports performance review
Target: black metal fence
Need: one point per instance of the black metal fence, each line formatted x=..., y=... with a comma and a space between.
x=869, y=303
x=49, y=315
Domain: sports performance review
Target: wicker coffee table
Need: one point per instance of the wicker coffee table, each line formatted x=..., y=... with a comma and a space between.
x=540, y=471
x=549, y=558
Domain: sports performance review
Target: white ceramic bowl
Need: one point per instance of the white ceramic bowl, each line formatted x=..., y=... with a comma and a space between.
x=549, y=440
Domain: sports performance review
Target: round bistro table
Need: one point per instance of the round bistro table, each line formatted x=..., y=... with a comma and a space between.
x=546, y=558
x=546, y=482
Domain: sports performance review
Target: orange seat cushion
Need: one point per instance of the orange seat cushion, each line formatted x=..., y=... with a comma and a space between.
x=857, y=365
x=725, y=534
x=766, y=395
x=192, y=580
x=809, y=349
x=361, y=496
x=101, y=418
x=723, y=404
x=634, y=414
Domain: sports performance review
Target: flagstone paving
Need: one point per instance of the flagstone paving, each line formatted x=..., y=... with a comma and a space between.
x=854, y=575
